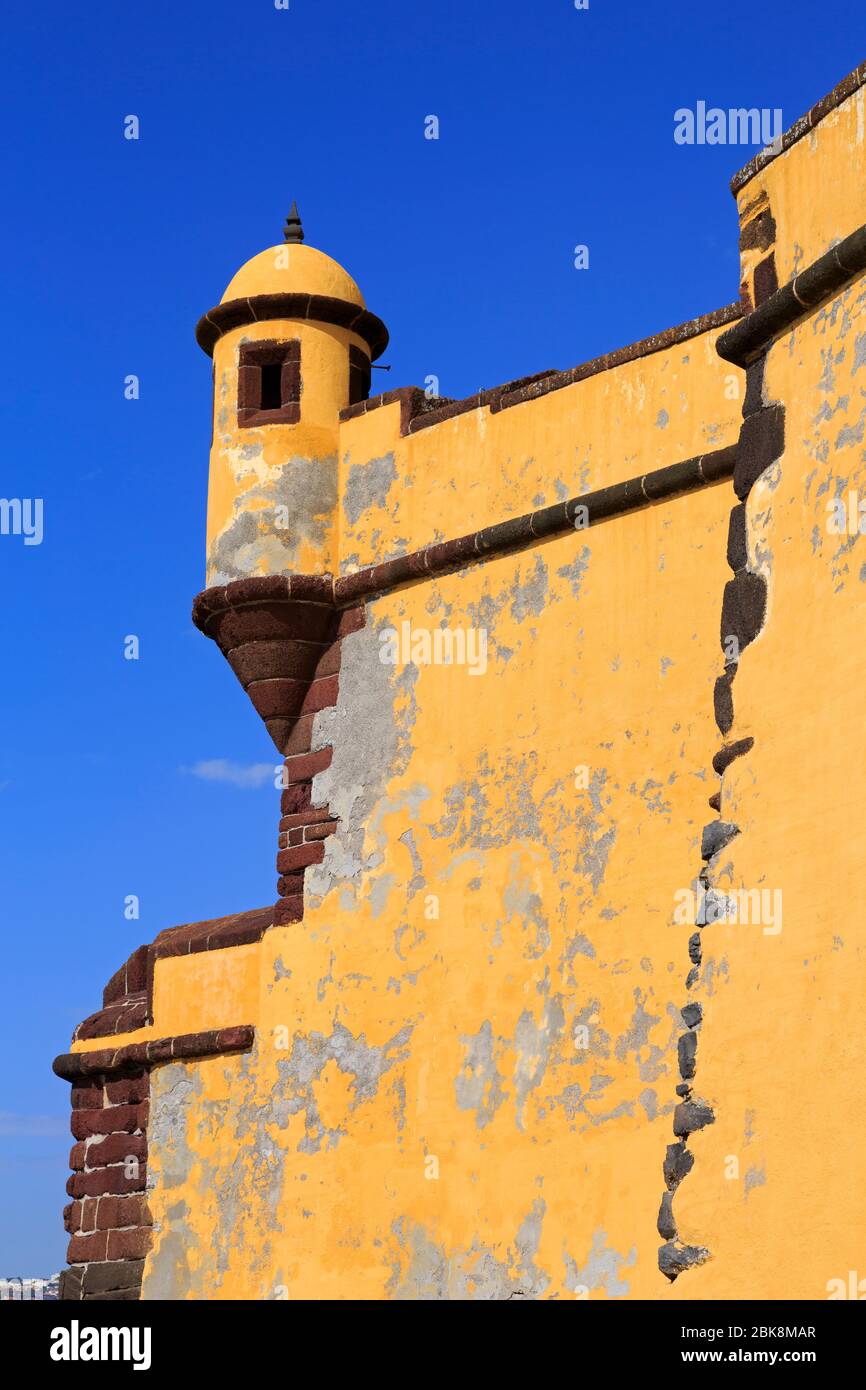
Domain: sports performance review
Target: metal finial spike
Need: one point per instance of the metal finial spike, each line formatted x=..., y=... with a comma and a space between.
x=293, y=231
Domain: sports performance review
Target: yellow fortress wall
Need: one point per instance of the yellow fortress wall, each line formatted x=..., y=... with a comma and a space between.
x=781, y=1053
x=530, y=1017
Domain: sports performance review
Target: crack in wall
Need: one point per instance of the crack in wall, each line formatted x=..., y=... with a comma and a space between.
x=744, y=609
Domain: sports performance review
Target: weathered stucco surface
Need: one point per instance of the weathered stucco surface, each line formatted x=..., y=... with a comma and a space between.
x=486, y=983
x=781, y=1048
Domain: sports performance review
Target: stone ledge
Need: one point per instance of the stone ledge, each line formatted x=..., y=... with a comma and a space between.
x=418, y=412
x=104, y=1061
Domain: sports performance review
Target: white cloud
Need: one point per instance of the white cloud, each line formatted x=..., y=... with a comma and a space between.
x=31, y=1125
x=222, y=770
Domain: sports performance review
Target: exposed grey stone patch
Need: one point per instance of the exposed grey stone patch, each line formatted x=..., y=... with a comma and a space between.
x=574, y=1099
x=678, y=1163
x=674, y=1258
x=479, y=1086
x=575, y=571
x=469, y=819
x=851, y=434
x=691, y=1015
x=322, y=985
x=651, y=1067
x=755, y=1177
x=662, y=420
x=715, y=836
x=417, y=881
x=367, y=485
x=175, y=1098
x=695, y=948
x=520, y=901
x=593, y=854
x=281, y=971
x=578, y=945
x=714, y=974
x=529, y=596
x=687, y=1048
x=173, y=1090
x=371, y=743
x=602, y=1269
x=649, y=1101
x=859, y=352
x=533, y=1280
x=533, y=1043
x=253, y=543
x=475, y=1274
x=665, y=1224
x=651, y=794
x=427, y=1276
x=167, y=1272
x=379, y=890
x=637, y=1035
x=692, y=1115
x=311, y=1052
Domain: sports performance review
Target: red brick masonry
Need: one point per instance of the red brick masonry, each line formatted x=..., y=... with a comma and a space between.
x=108, y=1219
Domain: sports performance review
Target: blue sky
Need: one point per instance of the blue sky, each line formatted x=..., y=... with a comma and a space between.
x=556, y=128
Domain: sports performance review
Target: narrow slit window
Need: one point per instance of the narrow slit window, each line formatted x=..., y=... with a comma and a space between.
x=272, y=398
x=359, y=376
x=269, y=383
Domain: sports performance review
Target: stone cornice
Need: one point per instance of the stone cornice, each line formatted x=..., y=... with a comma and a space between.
x=316, y=308
x=822, y=279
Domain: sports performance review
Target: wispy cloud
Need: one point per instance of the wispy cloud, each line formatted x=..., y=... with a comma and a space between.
x=31, y=1125
x=222, y=770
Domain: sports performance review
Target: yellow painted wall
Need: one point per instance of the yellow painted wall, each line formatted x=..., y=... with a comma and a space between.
x=817, y=188
x=412, y=1039
x=397, y=494
x=781, y=1053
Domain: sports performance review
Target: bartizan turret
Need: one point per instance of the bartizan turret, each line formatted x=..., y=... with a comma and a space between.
x=292, y=342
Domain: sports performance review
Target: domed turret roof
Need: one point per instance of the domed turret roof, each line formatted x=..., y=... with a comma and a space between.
x=293, y=268
x=292, y=281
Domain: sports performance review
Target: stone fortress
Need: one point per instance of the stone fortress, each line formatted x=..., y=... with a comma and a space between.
x=558, y=997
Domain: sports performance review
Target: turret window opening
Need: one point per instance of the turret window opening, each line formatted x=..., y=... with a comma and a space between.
x=269, y=383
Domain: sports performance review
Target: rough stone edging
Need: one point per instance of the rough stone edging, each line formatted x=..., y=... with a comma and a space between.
x=418, y=411
x=841, y=92
x=761, y=444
